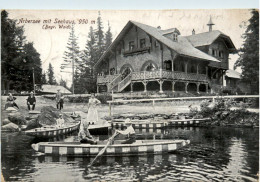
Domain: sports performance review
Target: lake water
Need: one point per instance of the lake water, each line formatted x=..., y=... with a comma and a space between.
x=215, y=154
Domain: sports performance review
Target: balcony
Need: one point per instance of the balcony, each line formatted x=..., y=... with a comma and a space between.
x=158, y=74
x=106, y=78
x=136, y=51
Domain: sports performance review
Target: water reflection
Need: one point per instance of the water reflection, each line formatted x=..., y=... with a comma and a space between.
x=215, y=154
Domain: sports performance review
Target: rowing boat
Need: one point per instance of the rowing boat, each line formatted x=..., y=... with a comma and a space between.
x=53, y=131
x=139, y=147
x=188, y=122
x=139, y=124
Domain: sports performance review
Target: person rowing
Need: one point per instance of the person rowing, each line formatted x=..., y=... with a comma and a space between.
x=129, y=132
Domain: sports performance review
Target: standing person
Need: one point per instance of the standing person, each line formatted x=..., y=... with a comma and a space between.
x=11, y=101
x=92, y=116
x=58, y=99
x=31, y=100
x=129, y=132
x=84, y=135
x=61, y=102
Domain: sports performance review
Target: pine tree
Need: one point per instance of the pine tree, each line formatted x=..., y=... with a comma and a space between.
x=249, y=53
x=43, y=79
x=108, y=37
x=100, y=37
x=72, y=56
x=50, y=73
x=33, y=61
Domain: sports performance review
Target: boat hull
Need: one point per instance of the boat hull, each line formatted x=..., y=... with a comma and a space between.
x=99, y=129
x=140, y=147
x=188, y=122
x=52, y=132
x=140, y=124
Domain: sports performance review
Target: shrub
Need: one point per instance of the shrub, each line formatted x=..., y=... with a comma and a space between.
x=104, y=98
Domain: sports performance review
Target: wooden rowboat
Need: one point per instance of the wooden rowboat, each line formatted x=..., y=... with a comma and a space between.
x=53, y=131
x=139, y=124
x=188, y=122
x=140, y=147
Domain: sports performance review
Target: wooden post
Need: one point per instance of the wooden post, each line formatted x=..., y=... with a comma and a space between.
x=145, y=83
x=173, y=83
x=186, y=67
x=198, y=88
x=207, y=88
x=161, y=83
x=110, y=115
x=131, y=86
x=186, y=87
x=97, y=89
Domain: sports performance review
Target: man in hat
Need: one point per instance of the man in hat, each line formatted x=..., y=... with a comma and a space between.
x=129, y=132
x=59, y=100
x=60, y=121
x=31, y=100
x=84, y=135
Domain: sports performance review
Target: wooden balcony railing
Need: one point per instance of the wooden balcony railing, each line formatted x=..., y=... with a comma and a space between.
x=106, y=78
x=137, y=51
x=158, y=74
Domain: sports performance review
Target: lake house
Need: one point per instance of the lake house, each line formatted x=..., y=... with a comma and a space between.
x=144, y=58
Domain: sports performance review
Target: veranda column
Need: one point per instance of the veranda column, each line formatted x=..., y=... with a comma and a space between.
x=145, y=83
x=198, y=88
x=97, y=89
x=186, y=87
x=207, y=88
x=173, y=83
x=131, y=86
x=207, y=71
x=161, y=83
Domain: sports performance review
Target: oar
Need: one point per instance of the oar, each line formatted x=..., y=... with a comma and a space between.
x=104, y=149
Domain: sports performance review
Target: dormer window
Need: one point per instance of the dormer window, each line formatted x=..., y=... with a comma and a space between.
x=142, y=43
x=175, y=36
x=131, y=45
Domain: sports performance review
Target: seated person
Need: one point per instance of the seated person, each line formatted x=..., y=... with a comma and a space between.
x=31, y=101
x=129, y=132
x=85, y=136
x=60, y=121
x=11, y=101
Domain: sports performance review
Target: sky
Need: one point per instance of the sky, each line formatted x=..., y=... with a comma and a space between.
x=51, y=42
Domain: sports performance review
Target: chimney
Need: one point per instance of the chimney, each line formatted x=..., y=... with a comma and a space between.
x=210, y=24
x=159, y=27
x=193, y=32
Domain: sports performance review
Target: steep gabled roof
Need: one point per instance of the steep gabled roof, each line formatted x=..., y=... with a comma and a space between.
x=182, y=46
x=207, y=38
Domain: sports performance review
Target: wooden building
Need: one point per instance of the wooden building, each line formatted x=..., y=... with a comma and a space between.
x=145, y=58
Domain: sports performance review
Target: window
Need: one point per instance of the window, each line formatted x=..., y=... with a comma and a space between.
x=156, y=43
x=221, y=54
x=142, y=43
x=214, y=52
x=131, y=45
x=175, y=36
x=150, y=67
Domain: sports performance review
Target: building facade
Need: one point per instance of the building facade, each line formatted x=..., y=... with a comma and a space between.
x=145, y=58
